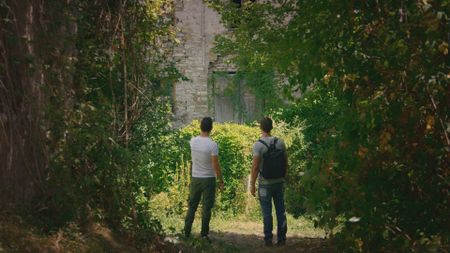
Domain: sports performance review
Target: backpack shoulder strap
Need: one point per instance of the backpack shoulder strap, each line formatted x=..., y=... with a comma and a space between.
x=275, y=141
x=263, y=142
x=273, y=145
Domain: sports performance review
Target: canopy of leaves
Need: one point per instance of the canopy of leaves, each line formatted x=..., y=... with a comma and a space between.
x=377, y=113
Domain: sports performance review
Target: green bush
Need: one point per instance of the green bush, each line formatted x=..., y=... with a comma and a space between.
x=235, y=145
x=357, y=179
x=102, y=120
x=119, y=181
x=291, y=131
x=235, y=154
x=377, y=133
x=314, y=119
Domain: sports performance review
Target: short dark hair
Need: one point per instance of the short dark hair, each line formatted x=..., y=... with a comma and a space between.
x=266, y=124
x=206, y=124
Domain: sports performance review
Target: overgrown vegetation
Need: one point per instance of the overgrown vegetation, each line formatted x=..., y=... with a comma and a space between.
x=82, y=110
x=376, y=81
x=86, y=135
x=235, y=154
x=235, y=143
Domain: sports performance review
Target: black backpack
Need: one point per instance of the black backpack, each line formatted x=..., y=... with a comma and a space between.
x=274, y=163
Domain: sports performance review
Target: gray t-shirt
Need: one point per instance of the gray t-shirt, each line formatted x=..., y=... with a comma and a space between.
x=259, y=149
x=202, y=148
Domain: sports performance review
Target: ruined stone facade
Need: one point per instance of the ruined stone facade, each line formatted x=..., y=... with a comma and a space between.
x=197, y=97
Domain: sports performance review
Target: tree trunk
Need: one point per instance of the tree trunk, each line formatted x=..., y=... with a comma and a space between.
x=26, y=46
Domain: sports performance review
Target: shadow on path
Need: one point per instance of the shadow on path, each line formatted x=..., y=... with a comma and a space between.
x=255, y=243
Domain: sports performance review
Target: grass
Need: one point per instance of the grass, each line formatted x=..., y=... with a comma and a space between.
x=239, y=234
x=230, y=233
x=241, y=224
x=248, y=223
x=242, y=233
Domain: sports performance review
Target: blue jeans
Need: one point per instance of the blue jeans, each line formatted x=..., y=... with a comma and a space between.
x=266, y=194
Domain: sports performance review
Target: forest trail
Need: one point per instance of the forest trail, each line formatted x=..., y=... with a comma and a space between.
x=246, y=236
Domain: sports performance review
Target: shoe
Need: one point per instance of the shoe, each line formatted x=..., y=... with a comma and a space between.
x=281, y=243
x=206, y=238
x=186, y=233
x=268, y=243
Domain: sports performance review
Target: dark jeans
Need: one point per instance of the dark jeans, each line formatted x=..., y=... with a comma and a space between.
x=266, y=194
x=205, y=187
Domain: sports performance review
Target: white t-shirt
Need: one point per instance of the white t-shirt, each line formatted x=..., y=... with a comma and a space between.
x=202, y=148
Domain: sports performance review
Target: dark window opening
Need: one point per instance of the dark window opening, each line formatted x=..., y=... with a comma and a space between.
x=237, y=2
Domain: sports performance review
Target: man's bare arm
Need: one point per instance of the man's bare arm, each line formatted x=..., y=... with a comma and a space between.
x=254, y=174
x=217, y=169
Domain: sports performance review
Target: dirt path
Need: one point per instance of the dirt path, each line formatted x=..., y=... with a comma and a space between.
x=245, y=237
x=254, y=243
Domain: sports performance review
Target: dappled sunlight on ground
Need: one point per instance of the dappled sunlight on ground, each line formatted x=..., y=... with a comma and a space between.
x=245, y=235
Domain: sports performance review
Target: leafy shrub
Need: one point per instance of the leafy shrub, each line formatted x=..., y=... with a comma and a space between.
x=119, y=181
x=377, y=135
x=314, y=118
x=347, y=180
x=235, y=144
x=105, y=129
x=235, y=154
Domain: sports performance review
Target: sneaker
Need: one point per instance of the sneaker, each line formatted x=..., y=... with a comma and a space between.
x=268, y=243
x=281, y=243
x=206, y=238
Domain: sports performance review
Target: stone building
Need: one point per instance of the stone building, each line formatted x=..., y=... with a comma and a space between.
x=204, y=93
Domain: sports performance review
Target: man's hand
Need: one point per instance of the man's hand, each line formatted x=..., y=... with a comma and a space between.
x=253, y=190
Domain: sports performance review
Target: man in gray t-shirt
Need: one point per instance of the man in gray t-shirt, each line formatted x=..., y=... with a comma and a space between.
x=269, y=189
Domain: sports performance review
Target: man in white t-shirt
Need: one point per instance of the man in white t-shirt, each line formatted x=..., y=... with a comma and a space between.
x=205, y=170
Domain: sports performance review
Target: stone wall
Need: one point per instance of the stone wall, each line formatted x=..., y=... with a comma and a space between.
x=195, y=98
x=198, y=26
